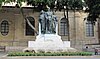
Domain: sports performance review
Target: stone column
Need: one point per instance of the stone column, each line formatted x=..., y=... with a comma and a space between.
x=39, y=29
x=56, y=28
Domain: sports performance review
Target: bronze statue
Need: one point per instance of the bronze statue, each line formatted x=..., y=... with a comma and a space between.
x=48, y=22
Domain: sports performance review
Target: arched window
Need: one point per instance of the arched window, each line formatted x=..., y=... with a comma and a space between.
x=89, y=29
x=63, y=27
x=29, y=30
x=4, y=27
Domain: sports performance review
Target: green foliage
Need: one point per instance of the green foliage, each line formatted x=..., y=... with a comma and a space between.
x=93, y=7
x=41, y=4
x=41, y=51
x=1, y=1
x=76, y=4
x=71, y=4
x=36, y=2
x=19, y=2
x=50, y=54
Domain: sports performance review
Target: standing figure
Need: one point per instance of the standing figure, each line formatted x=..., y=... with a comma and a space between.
x=49, y=21
x=42, y=21
x=55, y=22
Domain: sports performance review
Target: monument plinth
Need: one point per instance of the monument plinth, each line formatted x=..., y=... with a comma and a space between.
x=48, y=38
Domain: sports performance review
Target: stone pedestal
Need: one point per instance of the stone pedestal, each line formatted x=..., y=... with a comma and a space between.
x=49, y=40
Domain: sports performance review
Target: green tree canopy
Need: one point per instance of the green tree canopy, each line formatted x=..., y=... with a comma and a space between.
x=58, y=4
x=71, y=4
x=53, y=4
x=19, y=2
x=4, y=1
x=93, y=7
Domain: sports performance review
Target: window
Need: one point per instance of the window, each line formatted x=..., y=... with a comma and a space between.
x=4, y=27
x=63, y=27
x=29, y=30
x=89, y=29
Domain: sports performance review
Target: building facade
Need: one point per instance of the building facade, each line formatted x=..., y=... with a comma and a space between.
x=14, y=30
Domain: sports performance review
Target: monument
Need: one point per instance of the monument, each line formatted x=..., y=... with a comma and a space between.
x=48, y=38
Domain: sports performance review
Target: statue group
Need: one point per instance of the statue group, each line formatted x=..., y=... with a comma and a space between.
x=48, y=22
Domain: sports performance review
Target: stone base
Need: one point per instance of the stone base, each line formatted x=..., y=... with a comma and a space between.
x=48, y=37
x=48, y=45
x=49, y=42
x=32, y=49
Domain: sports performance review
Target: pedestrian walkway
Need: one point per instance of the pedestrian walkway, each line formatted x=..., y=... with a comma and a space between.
x=2, y=54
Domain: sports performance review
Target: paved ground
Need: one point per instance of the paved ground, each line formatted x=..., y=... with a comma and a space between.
x=2, y=53
x=3, y=56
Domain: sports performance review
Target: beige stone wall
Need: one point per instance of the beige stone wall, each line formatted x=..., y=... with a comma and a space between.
x=4, y=15
x=17, y=37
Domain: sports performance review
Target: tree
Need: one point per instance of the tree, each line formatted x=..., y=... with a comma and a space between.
x=70, y=5
x=76, y=5
x=3, y=1
x=41, y=4
x=93, y=8
x=19, y=4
